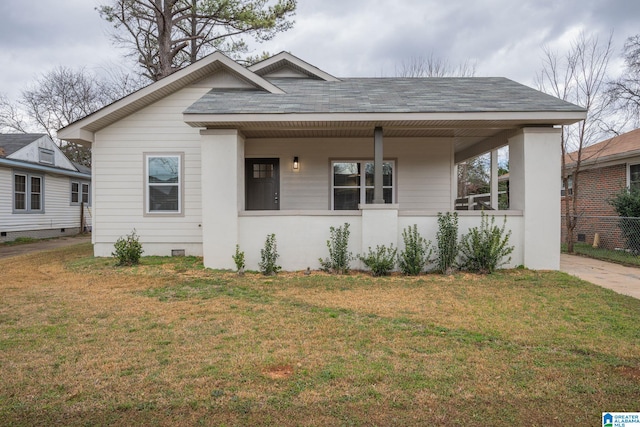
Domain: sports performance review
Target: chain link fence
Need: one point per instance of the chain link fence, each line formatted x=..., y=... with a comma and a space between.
x=608, y=232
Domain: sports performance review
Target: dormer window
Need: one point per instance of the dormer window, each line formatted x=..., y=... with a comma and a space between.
x=46, y=156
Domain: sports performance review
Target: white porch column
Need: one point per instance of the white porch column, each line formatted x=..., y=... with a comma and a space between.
x=222, y=171
x=494, y=179
x=378, y=197
x=534, y=186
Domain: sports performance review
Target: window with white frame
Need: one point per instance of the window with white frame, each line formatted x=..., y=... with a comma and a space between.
x=352, y=183
x=163, y=183
x=634, y=176
x=27, y=193
x=79, y=192
x=85, y=192
x=569, y=191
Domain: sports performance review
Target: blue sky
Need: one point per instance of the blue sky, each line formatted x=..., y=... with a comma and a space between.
x=342, y=37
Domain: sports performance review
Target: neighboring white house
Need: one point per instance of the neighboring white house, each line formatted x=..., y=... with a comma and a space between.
x=218, y=154
x=41, y=190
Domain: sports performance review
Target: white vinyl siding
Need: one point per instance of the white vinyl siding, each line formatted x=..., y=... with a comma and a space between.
x=57, y=213
x=118, y=196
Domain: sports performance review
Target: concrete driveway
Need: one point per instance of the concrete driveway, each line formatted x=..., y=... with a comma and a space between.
x=7, y=251
x=621, y=279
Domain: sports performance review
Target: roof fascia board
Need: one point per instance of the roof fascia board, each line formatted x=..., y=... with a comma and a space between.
x=40, y=168
x=285, y=56
x=74, y=130
x=550, y=118
x=604, y=161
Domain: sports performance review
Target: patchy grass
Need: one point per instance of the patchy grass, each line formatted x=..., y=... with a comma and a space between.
x=619, y=257
x=170, y=343
x=19, y=241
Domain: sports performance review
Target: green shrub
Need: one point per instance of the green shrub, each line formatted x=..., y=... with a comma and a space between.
x=381, y=261
x=416, y=253
x=269, y=256
x=627, y=206
x=238, y=258
x=339, y=255
x=482, y=249
x=128, y=250
x=447, y=242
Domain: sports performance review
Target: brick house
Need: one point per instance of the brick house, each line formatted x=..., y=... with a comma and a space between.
x=606, y=168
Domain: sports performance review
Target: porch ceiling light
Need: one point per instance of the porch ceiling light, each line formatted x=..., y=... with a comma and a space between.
x=296, y=163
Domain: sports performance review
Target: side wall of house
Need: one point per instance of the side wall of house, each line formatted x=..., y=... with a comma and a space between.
x=596, y=187
x=59, y=217
x=118, y=168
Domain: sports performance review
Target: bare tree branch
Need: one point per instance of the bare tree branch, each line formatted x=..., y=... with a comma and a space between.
x=433, y=66
x=579, y=76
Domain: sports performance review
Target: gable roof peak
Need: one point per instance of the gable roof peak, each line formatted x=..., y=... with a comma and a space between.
x=284, y=60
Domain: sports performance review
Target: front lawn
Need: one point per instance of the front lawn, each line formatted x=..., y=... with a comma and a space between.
x=170, y=343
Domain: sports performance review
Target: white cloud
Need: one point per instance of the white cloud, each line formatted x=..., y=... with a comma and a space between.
x=344, y=38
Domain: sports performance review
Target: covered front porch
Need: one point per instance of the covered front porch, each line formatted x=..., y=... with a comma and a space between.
x=379, y=178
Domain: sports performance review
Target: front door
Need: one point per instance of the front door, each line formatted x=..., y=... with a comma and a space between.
x=262, y=183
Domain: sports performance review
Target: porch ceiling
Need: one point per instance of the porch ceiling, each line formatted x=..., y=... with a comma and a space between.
x=465, y=133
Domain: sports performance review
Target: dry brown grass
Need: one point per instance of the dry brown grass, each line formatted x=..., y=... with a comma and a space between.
x=170, y=343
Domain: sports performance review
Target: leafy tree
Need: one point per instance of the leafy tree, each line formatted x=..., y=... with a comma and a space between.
x=166, y=35
x=579, y=76
x=474, y=176
x=627, y=205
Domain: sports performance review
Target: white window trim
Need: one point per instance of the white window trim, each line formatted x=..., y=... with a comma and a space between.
x=180, y=185
x=80, y=184
x=563, y=193
x=629, y=173
x=27, y=209
x=363, y=187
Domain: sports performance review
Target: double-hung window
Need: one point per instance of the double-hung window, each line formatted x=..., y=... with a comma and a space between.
x=79, y=192
x=565, y=191
x=27, y=193
x=163, y=184
x=352, y=183
x=634, y=176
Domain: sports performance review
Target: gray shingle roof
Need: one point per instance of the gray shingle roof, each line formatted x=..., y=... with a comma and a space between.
x=383, y=95
x=12, y=142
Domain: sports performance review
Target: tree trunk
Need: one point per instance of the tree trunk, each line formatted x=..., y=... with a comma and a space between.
x=164, y=19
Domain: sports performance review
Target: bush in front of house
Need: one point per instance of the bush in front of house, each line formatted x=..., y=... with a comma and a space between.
x=381, y=261
x=447, y=242
x=339, y=256
x=238, y=259
x=128, y=249
x=269, y=256
x=627, y=205
x=417, y=251
x=483, y=249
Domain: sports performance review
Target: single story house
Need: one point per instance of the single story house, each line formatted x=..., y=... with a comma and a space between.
x=42, y=193
x=218, y=155
x=605, y=169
